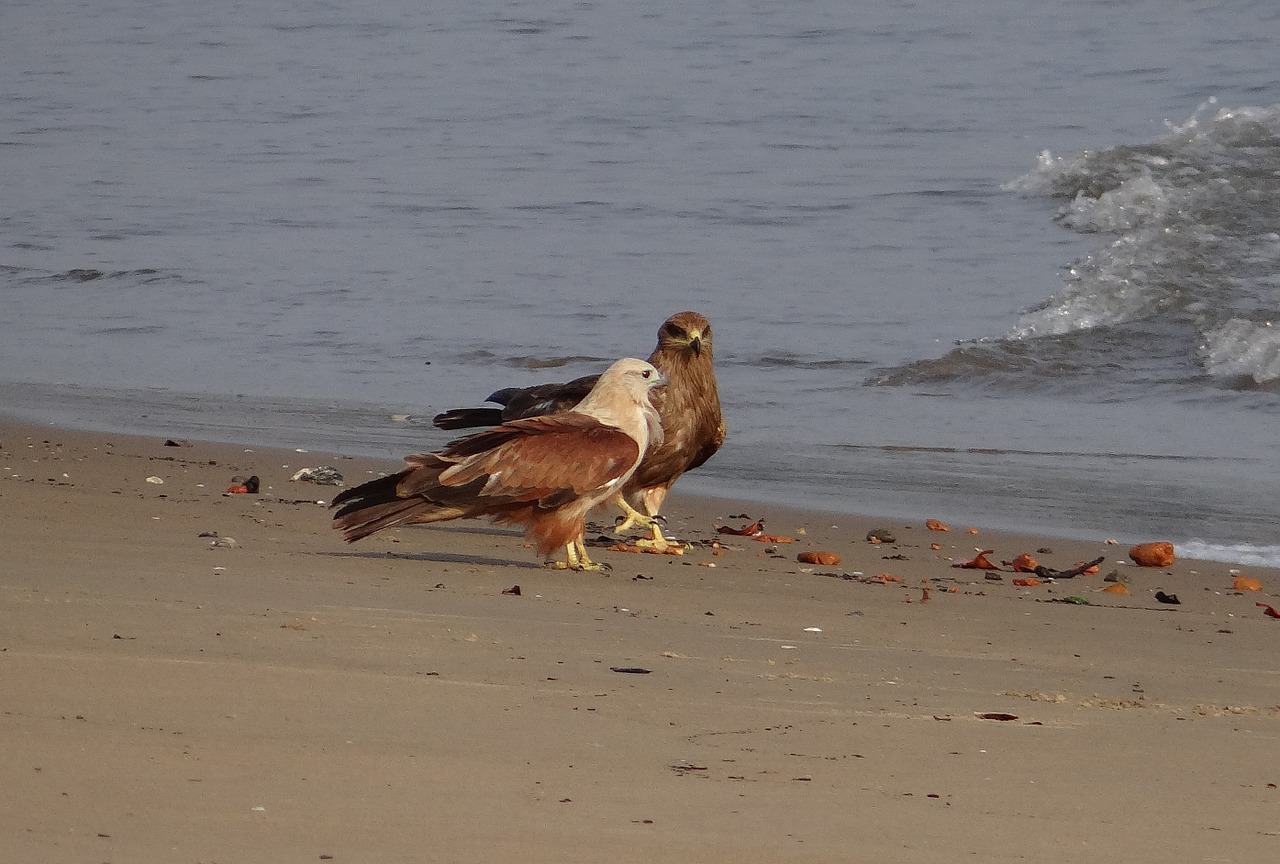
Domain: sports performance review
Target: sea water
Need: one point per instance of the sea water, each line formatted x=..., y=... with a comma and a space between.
x=1008, y=264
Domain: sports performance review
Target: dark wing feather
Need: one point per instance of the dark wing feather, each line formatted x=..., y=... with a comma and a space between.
x=467, y=418
x=518, y=403
x=521, y=402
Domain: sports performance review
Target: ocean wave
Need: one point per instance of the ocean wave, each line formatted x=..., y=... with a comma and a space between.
x=81, y=275
x=1237, y=553
x=796, y=361
x=1184, y=287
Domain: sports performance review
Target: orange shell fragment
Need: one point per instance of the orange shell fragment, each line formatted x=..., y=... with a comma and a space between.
x=979, y=562
x=1024, y=563
x=773, y=538
x=645, y=550
x=1116, y=588
x=1027, y=583
x=1246, y=583
x=825, y=559
x=935, y=525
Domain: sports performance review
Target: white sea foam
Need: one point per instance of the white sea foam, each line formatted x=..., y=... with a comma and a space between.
x=1242, y=348
x=1240, y=553
x=1135, y=202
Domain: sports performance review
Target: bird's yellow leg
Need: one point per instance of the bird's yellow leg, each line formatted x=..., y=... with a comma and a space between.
x=658, y=541
x=576, y=558
x=631, y=517
x=653, y=499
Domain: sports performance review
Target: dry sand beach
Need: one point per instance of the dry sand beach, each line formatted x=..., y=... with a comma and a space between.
x=271, y=695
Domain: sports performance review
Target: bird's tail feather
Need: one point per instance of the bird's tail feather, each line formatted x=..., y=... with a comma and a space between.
x=375, y=505
x=467, y=418
x=362, y=518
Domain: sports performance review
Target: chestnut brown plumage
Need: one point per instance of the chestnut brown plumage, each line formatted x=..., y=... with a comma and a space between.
x=545, y=473
x=689, y=405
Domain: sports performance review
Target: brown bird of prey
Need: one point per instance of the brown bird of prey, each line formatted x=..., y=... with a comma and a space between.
x=545, y=473
x=689, y=405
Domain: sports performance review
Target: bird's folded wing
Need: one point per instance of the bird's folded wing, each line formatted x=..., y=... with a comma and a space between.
x=521, y=402
x=553, y=457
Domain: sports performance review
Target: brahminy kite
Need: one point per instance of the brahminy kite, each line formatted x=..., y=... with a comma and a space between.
x=545, y=473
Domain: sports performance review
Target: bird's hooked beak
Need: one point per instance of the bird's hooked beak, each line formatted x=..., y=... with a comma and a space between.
x=695, y=342
x=661, y=381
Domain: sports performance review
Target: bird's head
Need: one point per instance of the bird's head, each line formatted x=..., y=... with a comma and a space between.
x=686, y=332
x=635, y=378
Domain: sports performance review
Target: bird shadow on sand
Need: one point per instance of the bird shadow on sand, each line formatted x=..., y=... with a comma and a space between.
x=450, y=557
x=436, y=558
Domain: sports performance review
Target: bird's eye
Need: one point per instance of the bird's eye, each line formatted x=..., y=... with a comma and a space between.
x=645, y=373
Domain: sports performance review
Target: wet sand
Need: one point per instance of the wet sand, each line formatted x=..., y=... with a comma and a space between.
x=270, y=694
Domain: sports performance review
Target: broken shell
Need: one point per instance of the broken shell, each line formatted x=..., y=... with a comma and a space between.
x=935, y=525
x=825, y=559
x=324, y=475
x=979, y=562
x=1246, y=583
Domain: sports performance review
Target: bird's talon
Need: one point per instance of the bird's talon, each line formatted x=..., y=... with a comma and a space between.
x=580, y=567
x=663, y=545
x=623, y=524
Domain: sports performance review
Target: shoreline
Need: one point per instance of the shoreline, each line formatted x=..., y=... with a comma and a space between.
x=903, y=483
x=270, y=694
